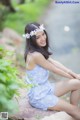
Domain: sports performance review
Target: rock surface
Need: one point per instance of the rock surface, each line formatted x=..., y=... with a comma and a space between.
x=13, y=35
x=27, y=112
x=59, y=116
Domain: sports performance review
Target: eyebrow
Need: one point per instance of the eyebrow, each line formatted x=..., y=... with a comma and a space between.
x=39, y=35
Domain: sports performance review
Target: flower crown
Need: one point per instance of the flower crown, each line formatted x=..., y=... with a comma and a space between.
x=27, y=35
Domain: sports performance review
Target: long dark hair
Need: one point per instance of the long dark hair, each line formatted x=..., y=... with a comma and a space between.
x=31, y=44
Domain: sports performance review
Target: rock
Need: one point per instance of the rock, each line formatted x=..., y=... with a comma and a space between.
x=14, y=45
x=59, y=116
x=26, y=111
x=7, y=43
x=11, y=34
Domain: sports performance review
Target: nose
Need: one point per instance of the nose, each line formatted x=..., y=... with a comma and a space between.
x=42, y=38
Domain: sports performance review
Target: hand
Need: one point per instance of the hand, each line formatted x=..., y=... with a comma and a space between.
x=78, y=76
x=74, y=75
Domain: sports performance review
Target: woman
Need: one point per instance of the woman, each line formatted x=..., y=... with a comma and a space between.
x=42, y=94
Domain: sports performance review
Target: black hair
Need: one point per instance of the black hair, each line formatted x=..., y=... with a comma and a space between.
x=31, y=44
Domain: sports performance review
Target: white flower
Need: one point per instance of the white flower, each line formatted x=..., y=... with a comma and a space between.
x=32, y=33
x=26, y=35
x=41, y=28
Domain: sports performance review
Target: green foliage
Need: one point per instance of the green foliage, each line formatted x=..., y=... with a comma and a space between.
x=2, y=15
x=25, y=13
x=9, y=82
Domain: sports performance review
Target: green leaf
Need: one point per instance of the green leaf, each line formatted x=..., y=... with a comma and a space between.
x=2, y=77
x=9, y=82
x=13, y=87
x=3, y=100
x=2, y=88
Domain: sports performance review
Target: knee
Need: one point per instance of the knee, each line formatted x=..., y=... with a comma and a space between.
x=76, y=112
x=75, y=83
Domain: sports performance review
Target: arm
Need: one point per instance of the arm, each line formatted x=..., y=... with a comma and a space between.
x=40, y=60
x=62, y=67
x=59, y=65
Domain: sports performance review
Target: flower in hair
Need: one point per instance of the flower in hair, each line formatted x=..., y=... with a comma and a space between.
x=32, y=33
x=42, y=27
x=27, y=35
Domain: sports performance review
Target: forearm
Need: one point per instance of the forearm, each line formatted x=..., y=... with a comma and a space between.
x=73, y=74
x=59, y=65
x=62, y=67
x=62, y=73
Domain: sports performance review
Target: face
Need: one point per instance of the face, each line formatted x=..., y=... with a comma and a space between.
x=41, y=39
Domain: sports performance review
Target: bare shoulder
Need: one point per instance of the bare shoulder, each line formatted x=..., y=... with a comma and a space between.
x=34, y=55
x=37, y=56
x=39, y=59
x=30, y=63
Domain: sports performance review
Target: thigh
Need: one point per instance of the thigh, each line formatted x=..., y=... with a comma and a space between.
x=62, y=87
x=63, y=106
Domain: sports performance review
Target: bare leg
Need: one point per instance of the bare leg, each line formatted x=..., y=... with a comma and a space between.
x=74, y=97
x=64, y=87
x=67, y=107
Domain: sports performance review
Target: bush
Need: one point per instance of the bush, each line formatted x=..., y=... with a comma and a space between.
x=25, y=13
x=3, y=12
x=9, y=82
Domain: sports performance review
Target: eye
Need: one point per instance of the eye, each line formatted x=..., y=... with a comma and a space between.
x=43, y=34
x=37, y=37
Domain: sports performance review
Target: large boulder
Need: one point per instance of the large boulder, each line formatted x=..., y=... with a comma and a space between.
x=13, y=35
x=59, y=116
x=27, y=112
x=13, y=41
x=7, y=43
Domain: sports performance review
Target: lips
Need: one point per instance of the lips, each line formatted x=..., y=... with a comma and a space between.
x=43, y=43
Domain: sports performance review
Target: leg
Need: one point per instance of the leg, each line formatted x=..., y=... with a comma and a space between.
x=72, y=110
x=72, y=85
x=75, y=97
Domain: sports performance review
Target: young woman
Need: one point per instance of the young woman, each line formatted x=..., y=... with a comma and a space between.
x=42, y=94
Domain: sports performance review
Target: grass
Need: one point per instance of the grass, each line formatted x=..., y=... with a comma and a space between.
x=28, y=12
